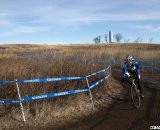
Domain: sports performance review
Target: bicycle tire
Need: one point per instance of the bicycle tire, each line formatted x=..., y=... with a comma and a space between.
x=135, y=95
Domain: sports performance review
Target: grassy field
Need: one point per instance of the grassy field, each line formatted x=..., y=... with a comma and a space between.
x=42, y=61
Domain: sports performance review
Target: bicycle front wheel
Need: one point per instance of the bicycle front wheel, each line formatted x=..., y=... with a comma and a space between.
x=135, y=95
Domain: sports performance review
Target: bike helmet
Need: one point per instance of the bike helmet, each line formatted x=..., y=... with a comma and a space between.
x=129, y=58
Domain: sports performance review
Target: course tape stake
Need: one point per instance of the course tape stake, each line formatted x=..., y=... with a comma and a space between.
x=90, y=93
x=24, y=119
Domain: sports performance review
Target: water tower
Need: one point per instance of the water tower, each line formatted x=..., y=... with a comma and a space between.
x=110, y=37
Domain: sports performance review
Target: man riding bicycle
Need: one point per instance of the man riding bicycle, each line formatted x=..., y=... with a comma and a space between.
x=131, y=68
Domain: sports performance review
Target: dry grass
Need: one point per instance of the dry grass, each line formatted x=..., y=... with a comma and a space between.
x=39, y=61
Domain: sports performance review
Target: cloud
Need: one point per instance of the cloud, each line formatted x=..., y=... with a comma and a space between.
x=20, y=30
x=147, y=27
x=6, y=34
x=69, y=11
x=157, y=29
x=25, y=29
x=4, y=22
x=32, y=16
x=95, y=11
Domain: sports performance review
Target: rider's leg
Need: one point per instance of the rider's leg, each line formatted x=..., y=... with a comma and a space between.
x=139, y=85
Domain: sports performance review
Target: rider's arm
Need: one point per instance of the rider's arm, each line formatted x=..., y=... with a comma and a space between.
x=137, y=70
x=124, y=70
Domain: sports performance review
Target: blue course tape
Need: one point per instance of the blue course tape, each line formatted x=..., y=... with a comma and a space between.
x=96, y=73
x=99, y=81
x=9, y=101
x=50, y=79
x=56, y=94
x=151, y=67
x=147, y=60
x=7, y=82
x=155, y=74
x=137, y=59
x=42, y=80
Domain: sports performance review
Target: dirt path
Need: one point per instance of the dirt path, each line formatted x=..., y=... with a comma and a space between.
x=123, y=116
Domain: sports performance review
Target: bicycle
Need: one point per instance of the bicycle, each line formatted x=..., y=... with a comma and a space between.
x=135, y=94
x=134, y=91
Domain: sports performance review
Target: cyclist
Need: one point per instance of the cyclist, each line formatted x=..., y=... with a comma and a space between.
x=131, y=68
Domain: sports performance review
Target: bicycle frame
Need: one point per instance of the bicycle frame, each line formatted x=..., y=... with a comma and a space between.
x=136, y=97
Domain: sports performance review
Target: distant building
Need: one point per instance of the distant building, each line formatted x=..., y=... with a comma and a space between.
x=110, y=36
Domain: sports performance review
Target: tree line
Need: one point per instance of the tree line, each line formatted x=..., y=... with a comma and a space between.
x=118, y=37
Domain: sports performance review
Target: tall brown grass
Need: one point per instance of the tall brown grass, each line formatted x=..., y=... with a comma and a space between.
x=42, y=61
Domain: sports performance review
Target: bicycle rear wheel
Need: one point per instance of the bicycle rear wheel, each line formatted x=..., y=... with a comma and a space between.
x=135, y=95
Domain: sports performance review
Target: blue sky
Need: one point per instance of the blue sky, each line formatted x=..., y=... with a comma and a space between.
x=77, y=21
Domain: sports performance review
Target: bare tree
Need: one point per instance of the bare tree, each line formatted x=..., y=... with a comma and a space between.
x=106, y=38
x=97, y=39
x=126, y=40
x=118, y=37
x=138, y=40
x=150, y=39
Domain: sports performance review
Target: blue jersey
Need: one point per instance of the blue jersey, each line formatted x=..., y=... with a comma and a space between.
x=134, y=68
